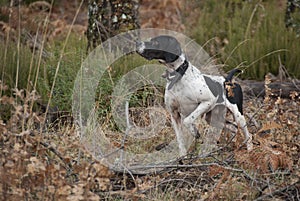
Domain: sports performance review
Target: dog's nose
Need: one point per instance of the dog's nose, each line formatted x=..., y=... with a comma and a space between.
x=140, y=46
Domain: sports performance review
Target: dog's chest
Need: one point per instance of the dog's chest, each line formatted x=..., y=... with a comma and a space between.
x=194, y=88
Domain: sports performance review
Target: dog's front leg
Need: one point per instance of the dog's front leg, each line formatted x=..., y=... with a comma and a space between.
x=176, y=123
x=200, y=110
x=173, y=107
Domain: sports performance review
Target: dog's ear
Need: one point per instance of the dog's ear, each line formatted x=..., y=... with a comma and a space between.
x=170, y=57
x=173, y=50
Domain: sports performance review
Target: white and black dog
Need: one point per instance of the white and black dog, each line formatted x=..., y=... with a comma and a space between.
x=189, y=93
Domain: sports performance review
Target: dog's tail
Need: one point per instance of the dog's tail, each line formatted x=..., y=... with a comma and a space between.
x=231, y=74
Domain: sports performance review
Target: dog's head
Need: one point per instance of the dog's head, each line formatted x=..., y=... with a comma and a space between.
x=164, y=48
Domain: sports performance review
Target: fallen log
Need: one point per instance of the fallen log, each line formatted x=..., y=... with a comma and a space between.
x=282, y=89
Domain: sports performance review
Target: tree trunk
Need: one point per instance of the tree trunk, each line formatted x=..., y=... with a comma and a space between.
x=108, y=18
x=292, y=15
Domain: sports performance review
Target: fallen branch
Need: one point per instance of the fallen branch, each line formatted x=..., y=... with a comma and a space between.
x=176, y=166
x=294, y=186
x=278, y=88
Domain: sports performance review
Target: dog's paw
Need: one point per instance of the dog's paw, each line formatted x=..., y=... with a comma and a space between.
x=249, y=146
x=182, y=153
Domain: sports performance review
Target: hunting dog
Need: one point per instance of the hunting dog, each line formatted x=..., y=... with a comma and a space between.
x=189, y=93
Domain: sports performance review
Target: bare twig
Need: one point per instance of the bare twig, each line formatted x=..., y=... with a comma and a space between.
x=128, y=127
x=185, y=166
x=58, y=154
x=164, y=182
x=294, y=186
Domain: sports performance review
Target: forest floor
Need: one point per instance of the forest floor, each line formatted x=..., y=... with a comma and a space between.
x=52, y=164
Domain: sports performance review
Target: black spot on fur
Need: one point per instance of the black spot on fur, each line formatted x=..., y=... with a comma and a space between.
x=215, y=87
x=235, y=96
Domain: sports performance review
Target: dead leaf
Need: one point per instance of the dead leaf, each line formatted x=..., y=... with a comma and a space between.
x=64, y=190
x=35, y=166
x=268, y=126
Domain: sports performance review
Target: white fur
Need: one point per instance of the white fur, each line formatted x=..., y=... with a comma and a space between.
x=190, y=98
x=141, y=48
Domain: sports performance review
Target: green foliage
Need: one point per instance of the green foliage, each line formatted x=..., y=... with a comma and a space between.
x=20, y=65
x=110, y=79
x=19, y=69
x=30, y=71
x=72, y=57
x=4, y=2
x=248, y=34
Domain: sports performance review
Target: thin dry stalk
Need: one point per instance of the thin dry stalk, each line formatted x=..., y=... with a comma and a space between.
x=60, y=58
x=32, y=58
x=18, y=49
x=45, y=29
x=6, y=45
x=251, y=18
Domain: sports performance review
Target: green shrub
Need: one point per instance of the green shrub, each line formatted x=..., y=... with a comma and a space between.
x=248, y=34
x=73, y=55
x=29, y=70
x=18, y=68
x=110, y=78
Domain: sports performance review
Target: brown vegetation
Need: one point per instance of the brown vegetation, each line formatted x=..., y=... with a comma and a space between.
x=46, y=161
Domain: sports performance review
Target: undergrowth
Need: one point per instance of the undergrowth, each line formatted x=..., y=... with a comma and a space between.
x=41, y=160
x=39, y=164
x=250, y=35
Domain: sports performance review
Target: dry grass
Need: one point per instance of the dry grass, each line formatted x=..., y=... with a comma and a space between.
x=45, y=160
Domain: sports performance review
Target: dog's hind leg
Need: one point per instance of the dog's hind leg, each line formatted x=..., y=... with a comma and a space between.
x=240, y=119
x=193, y=130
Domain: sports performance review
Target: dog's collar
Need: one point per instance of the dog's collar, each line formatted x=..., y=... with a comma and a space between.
x=181, y=69
x=176, y=75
